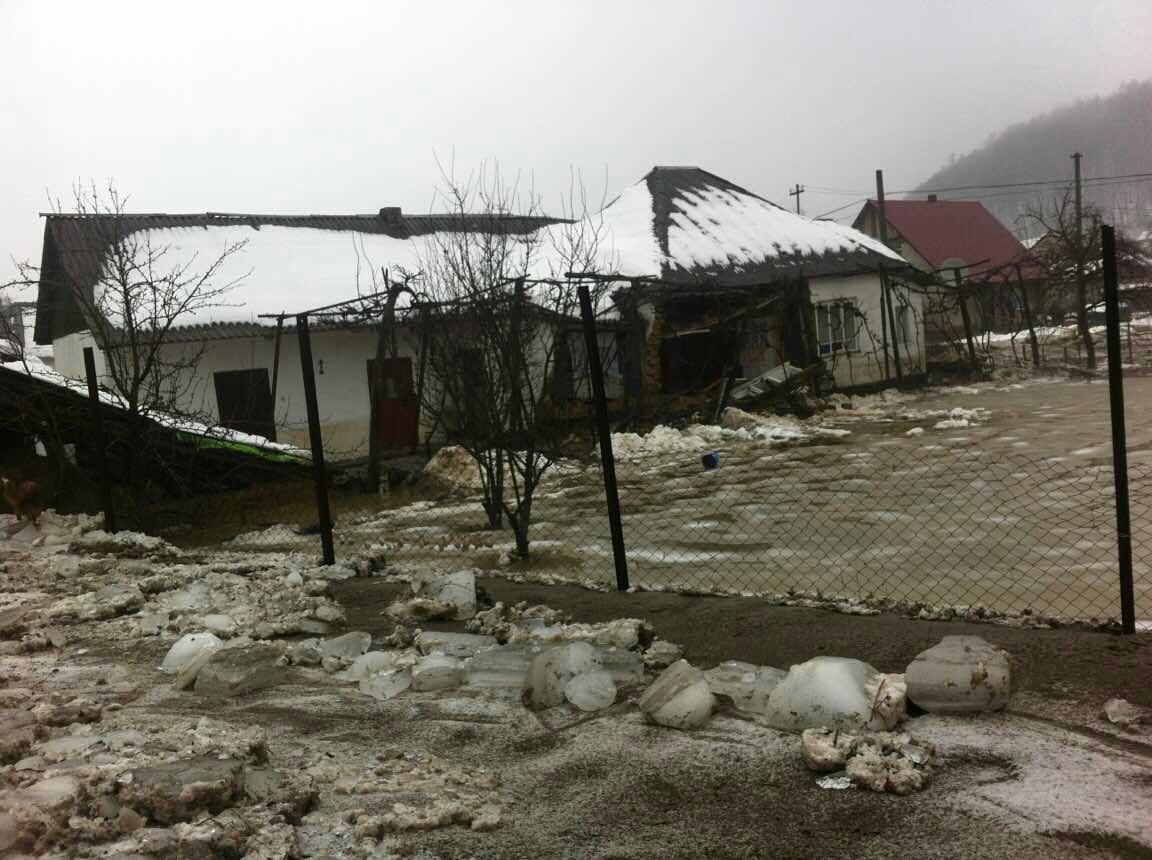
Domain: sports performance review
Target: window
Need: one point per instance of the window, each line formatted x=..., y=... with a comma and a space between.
x=244, y=401
x=836, y=326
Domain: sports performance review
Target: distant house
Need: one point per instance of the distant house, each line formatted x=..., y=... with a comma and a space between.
x=722, y=280
x=934, y=235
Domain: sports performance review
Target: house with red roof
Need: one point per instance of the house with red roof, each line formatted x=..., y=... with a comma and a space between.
x=938, y=237
x=938, y=234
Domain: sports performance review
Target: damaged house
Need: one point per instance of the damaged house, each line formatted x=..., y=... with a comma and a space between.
x=722, y=282
x=246, y=374
x=699, y=280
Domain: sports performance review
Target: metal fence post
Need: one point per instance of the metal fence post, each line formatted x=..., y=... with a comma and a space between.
x=319, y=472
x=1119, y=442
x=99, y=441
x=607, y=461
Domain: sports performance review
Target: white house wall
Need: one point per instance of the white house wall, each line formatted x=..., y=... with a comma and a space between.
x=865, y=364
x=68, y=355
x=340, y=359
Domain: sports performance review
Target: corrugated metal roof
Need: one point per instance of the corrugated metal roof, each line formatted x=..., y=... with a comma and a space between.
x=75, y=247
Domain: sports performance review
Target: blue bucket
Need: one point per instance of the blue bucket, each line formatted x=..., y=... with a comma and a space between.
x=711, y=460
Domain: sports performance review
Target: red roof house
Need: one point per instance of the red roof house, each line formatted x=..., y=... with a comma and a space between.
x=937, y=234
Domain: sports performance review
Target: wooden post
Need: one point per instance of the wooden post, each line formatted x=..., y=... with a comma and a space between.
x=319, y=472
x=892, y=325
x=603, y=431
x=99, y=442
x=967, y=321
x=885, y=299
x=1028, y=318
x=276, y=360
x=1119, y=441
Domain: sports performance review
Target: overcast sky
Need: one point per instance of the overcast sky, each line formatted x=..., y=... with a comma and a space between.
x=341, y=107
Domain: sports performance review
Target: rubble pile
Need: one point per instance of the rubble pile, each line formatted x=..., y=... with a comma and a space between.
x=877, y=761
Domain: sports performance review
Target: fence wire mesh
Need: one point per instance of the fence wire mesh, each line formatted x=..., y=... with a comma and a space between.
x=935, y=526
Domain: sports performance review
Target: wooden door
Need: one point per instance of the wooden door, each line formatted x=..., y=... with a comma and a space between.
x=398, y=414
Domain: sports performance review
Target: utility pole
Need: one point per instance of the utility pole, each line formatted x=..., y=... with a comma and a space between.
x=1081, y=281
x=796, y=192
x=887, y=318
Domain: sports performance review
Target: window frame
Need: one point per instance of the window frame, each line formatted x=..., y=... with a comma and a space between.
x=837, y=321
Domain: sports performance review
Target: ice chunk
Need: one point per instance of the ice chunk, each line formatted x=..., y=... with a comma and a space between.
x=375, y=662
x=346, y=647
x=660, y=654
x=500, y=667
x=592, y=691
x=838, y=693
x=218, y=623
x=626, y=667
x=457, y=590
x=236, y=671
x=551, y=670
x=747, y=685
x=835, y=781
x=679, y=698
x=1122, y=713
x=186, y=650
x=452, y=644
x=437, y=672
x=961, y=674
x=386, y=685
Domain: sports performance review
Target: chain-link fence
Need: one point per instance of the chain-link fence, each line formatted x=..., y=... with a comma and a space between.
x=930, y=525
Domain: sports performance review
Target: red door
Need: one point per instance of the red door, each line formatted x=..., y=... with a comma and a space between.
x=398, y=415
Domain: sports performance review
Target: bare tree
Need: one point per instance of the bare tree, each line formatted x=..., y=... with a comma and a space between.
x=144, y=291
x=495, y=313
x=1067, y=249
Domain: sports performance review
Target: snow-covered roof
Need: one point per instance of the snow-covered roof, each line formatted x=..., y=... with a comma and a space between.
x=287, y=264
x=680, y=224
x=683, y=223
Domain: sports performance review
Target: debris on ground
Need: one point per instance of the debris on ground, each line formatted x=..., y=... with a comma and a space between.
x=138, y=678
x=878, y=761
x=960, y=674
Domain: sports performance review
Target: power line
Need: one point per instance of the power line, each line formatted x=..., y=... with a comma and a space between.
x=1098, y=182
x=1037, y=182
x=840, y=208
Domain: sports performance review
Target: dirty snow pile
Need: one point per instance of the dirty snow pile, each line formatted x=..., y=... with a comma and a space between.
x=457, y=470
x=736, y=425
x=893, y=405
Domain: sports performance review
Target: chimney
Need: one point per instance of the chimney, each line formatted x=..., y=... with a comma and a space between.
x=931, y=199
x=390, y=214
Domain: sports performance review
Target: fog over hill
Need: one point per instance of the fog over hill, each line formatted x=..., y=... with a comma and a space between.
x=1113, y=132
